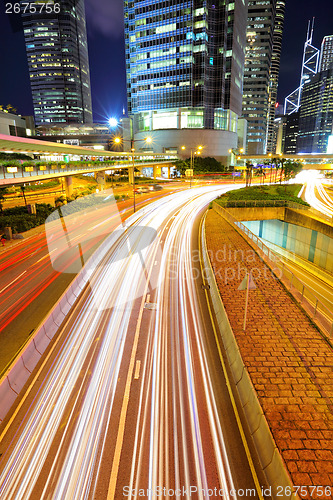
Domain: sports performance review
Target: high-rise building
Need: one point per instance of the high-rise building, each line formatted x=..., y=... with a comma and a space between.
x=56, y=46
x=316, y=114
x=291, y=133
x=274, y=76
x=185, y=64
x=326, y=54
x=257, y=76
x=310, y=66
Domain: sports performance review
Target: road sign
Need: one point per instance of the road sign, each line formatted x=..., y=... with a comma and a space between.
x=243, y=285
x=247, y=284
x=189, y=172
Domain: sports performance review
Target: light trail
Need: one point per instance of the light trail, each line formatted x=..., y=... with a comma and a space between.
x=323, y=203
x=61, y=443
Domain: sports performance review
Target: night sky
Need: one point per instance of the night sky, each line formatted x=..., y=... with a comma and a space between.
x=106, y=53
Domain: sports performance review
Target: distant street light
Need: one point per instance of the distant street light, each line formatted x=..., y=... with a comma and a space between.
x=235, y=152
x=194, y=151
x=118, y=140
x=113, y=122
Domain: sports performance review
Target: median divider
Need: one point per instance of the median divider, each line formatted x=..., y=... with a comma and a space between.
x=269, y=456
x=17, y=374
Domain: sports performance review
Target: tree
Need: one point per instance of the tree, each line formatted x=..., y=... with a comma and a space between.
x=60, y=201
x=3, y=191
x=291, y=168
x=248, y=172
x=182, y=165
x=23, y=194
x=261, y=173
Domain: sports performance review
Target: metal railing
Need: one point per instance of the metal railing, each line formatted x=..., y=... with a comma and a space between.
x=262, y=203
x=321, y=314
x=64, y=168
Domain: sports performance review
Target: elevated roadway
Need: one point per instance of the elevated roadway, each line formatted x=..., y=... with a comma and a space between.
x=44, y=149
x=310, y=161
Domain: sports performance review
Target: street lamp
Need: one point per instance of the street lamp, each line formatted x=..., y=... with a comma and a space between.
x=194, y=151
x=235, y=152
x=113, y=122
x=118, y=140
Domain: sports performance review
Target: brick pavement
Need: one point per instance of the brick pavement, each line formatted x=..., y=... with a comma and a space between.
x=289, y=362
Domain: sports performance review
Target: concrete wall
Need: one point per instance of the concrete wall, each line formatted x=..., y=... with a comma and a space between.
x=304, y=242
x=215, y=143
x=7, y=119
x=257, y=213
x=305, y=219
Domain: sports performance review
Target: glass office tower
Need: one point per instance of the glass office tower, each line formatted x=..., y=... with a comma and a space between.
x=56, y=46
x=326, y=54
x=260, y=77
x=185, y=67
x=316, y=114
x=274, y=74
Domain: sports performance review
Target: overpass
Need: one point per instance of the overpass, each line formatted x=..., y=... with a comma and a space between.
x=57, y=152
x=310, y=161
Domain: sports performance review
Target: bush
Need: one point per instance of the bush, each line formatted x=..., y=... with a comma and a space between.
x=262, y=196
x=19, y=220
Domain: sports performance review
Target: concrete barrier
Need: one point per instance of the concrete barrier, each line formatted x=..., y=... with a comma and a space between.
x=14, y=379
x=269, y=456
x=18, y=374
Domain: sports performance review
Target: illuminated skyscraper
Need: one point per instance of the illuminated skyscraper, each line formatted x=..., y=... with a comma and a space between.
x=185, y=71
x=310, y=66
x=260, y=77
x=56, y=46
x=316, y=114
x=274, y=76
x=326, y=54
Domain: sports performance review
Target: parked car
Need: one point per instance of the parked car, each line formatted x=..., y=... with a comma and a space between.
x=141, y=189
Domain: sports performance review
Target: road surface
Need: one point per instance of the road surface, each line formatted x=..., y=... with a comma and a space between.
x=132, y=397
x=30, y=286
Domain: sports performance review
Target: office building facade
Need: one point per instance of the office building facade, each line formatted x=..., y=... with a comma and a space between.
x=316, y=114
x=184, y=63
x=326, y=53
x=260, y=80
x=274, y=76
x=57, y=52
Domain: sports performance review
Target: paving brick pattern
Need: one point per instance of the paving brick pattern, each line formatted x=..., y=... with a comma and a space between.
x=290, y=364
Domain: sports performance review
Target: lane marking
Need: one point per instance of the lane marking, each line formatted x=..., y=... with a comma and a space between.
x=137, y=370
x=45, y=257
x=123, y=414
x=12, y=282
x=232, y=399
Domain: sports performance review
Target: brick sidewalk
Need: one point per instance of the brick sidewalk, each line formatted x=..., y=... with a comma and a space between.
x=290, y=365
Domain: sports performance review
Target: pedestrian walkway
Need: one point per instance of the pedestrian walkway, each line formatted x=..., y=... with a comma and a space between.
x=287, y=358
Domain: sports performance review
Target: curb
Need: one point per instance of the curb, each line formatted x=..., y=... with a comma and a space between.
x=271, y=462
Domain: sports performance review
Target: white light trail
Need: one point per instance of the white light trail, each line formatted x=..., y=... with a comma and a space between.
x=86, y=372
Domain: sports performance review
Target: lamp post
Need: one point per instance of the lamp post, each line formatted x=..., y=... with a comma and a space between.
x=194, y=151
x=235, y=152
x=148, y=140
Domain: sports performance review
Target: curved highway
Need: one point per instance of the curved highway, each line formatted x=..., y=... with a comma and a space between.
x=131, y=400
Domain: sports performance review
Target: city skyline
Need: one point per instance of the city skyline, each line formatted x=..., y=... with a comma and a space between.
x=106, y=52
